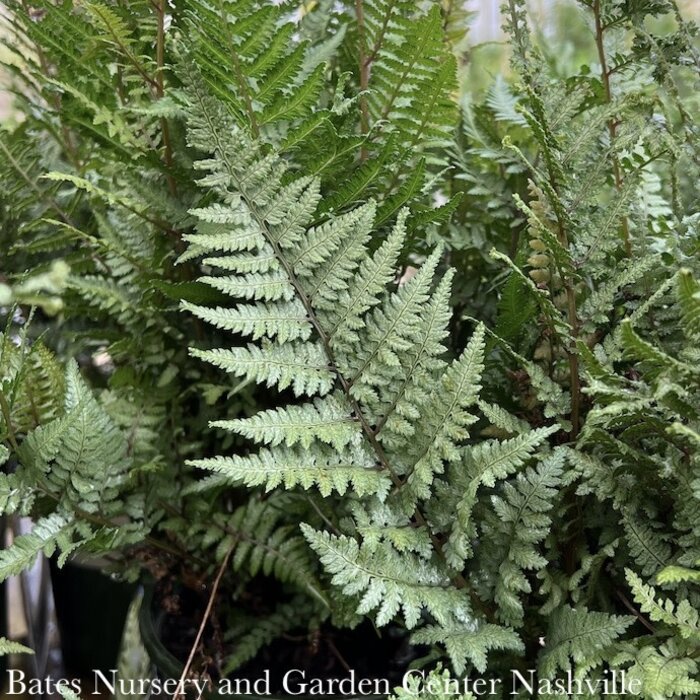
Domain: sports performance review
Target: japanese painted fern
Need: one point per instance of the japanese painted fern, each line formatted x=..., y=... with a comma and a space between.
x=375, y=412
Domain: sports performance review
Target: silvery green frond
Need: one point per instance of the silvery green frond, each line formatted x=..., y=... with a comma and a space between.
x=7, y=646
x=301, y=365
x=469, y=643
x=684, y=617
x=82, y=455
x=48, y=534
x=484, y=464
x=580, y=639
x=437, y=684
x=325, y=468
x=386, y=581
x=328, y=420
x=515, y=529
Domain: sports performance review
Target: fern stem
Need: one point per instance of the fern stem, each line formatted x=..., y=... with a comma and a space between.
x=623, y=598
x=574, y=379
x=364, y=67
x=322, y=515
x=612, y=125
x=380, y=35
x=41, y=194
x=202, y=624
x=160, y=91
x=240, y=77
x=8, y=421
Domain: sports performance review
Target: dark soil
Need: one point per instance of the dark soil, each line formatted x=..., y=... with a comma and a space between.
x=327, y=653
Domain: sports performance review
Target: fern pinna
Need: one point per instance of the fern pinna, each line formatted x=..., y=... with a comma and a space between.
x=385, y=417
x=71, y=461
x=640, y=453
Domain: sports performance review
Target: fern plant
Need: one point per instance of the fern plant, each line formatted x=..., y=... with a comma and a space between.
x=389, y=417
x=654, y=405
x=320, y=334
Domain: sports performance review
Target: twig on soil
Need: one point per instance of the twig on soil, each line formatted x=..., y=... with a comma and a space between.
x=210, y=604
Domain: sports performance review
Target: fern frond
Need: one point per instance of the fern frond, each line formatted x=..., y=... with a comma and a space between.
x=281, y=323
x=653, y=358
x=7, y=646
x=483, y=465
x=82, y=456
x=386, y=581
x=683, y=616
x=649, y=548
x=252, y=61
x=677, y=574
x=47, y=535
x=521, y=522
x=301, y=365
x=469, y=645
x=413, y=75
x=325, y=469
x=689, y=300
x=447, y=416
x=666, y=671
x=436, y=685
x=254, y=637
x=581, y=637
x=328, y=420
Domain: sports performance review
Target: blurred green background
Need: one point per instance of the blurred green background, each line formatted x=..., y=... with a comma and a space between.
x=560, y=22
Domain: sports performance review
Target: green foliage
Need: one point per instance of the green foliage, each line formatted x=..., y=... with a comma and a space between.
x=77, y=447
x=9, y=647
x=470, y=645
x=519, y=522
x=284, y=290
x=581, y=636
x=45, y=536
x=436, y=685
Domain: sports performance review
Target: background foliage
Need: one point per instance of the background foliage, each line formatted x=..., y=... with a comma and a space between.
x=315, y=300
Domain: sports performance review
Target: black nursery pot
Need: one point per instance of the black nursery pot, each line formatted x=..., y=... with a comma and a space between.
x=168, y=666
x=91, y=610
x=3, y=627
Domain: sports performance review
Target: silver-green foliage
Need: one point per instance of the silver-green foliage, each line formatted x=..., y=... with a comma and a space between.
x=380, y=416
x=66, y=449
x=639, y=451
